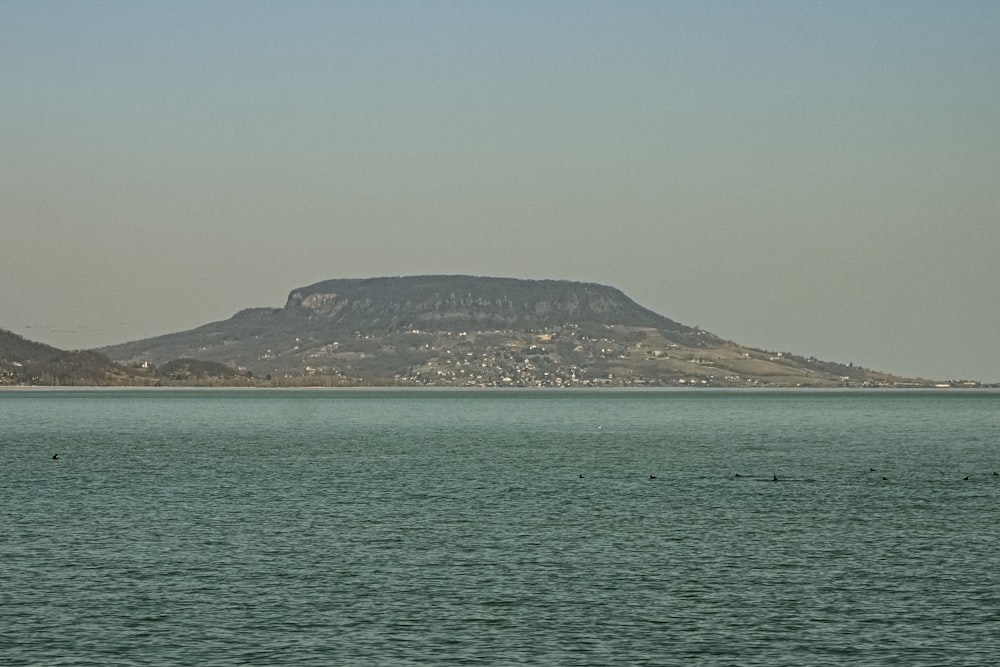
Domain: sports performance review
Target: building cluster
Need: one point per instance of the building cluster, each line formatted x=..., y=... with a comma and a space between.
x=557, y=357
x=566, y=356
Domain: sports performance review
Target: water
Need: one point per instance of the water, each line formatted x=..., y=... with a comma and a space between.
x=260, y=527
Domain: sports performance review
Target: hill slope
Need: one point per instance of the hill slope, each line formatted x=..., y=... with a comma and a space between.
x=26, y=362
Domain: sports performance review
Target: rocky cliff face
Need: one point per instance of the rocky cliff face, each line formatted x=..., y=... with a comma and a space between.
x=441, y=302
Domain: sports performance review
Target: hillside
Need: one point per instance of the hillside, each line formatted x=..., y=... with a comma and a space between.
x=25, y=362
x=473, y=331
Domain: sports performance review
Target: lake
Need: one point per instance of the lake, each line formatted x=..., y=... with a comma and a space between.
x=584, y=527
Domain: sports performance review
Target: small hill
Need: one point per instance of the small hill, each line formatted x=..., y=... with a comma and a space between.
x=185, y=368
x=26, y=362
x=199, y=371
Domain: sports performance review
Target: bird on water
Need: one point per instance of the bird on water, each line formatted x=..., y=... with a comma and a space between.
x=55, y=457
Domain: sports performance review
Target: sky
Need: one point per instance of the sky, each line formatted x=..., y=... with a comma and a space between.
x=821, y=178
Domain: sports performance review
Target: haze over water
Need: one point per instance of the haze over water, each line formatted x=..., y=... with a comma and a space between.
x=492, y=527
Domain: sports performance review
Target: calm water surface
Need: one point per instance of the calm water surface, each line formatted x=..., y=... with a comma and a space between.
x=453, y=527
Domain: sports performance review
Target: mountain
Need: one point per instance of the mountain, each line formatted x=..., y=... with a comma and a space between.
x=475, y=331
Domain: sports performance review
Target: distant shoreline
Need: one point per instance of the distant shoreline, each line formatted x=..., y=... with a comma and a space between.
x=983, y=388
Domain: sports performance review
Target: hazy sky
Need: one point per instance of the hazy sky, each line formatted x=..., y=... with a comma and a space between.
x=815, y=177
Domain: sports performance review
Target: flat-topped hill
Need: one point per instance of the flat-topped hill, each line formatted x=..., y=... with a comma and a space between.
x=475, y=331
x=442, y=302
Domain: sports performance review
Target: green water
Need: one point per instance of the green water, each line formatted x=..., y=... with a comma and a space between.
x=263, y=527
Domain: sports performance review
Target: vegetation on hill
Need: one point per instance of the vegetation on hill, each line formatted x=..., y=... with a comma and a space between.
x=462, y=302
x=28, y=363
